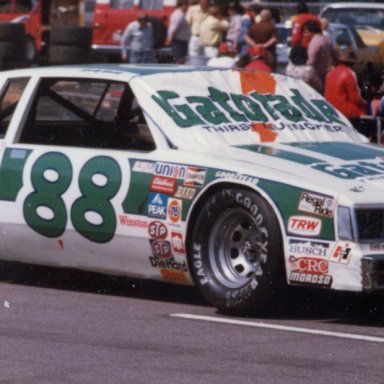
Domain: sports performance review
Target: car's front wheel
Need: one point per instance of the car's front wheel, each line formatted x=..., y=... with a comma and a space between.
x=235, y=253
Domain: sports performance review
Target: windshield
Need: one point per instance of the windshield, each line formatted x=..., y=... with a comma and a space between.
x=230, y=107
x=359, y=17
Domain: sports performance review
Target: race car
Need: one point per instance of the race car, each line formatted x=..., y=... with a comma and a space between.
x=235, y=181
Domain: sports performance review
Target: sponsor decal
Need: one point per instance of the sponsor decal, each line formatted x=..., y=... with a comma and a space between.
x=157, y=205
x=229, y=111
x=170, y=170
x=132, y=222
x=310, y=279
x=316, y=204
x=365, y=169
x=163, y=185
x=308, y=248
x=161, y=249
x=185, y=193
x=313, y=266
x=195, y=177
x=342, y=252
x=177, y=242
x=143, y=166
x=237, y=176
x=304, y=225
x=174, y=210
x=157, y=230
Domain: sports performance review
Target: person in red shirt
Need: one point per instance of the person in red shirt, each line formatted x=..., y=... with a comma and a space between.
x=343, y=92
x=298, y=21
x=257, y=59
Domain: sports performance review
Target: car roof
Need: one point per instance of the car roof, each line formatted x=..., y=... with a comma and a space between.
x=130, y=70
x=354, y=5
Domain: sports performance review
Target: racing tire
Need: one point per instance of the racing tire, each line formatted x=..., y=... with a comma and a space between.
x=70, y=35
x=61, y=54
x=13, y=32
x=235, y=252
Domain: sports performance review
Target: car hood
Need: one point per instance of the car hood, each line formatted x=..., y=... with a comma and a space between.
x=220, y=108
x=353, y=171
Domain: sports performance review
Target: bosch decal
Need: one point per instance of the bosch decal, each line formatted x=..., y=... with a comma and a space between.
x=308, y=248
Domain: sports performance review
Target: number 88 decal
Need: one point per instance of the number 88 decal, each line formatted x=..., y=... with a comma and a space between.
x=92, y=214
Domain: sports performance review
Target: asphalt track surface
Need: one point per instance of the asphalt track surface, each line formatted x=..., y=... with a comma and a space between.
x=63, y=326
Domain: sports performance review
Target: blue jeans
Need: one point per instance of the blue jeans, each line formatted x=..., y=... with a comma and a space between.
x=138, y=57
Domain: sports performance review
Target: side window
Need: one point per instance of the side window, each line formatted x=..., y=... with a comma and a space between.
x=122, y=4
x=86, y=113
x=9, y=99
x=151, y=4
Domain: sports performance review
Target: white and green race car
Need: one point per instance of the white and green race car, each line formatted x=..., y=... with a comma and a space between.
x=238, y=182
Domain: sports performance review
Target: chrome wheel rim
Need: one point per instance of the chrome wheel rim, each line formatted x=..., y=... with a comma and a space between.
x=235, y=248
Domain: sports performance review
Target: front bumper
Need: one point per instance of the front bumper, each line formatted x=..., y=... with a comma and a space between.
x=373, y=272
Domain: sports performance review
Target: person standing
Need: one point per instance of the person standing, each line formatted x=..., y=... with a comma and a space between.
x=179, y=32
x=263, y=34
x=195, y=16
x=235, y=19
x=321, y=54
x=138, y=36
x=343, y=92
x=211, y=31
x=298, y=21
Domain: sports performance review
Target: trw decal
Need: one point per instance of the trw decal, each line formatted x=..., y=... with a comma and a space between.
x=304, y=225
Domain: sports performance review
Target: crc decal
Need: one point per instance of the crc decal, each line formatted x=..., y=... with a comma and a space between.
x=92, y=214
x=163, y=185
x=308, y=248
x=310, y=265
x=157, y=205
x=304, y=225
x=157, y=230
x=342, y=252
x=174, y=210
x=316, y=204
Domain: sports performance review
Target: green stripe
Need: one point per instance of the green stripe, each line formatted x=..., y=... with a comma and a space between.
x=342, y=150
x=270, y=151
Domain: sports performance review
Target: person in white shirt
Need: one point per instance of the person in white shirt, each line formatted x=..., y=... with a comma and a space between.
x=179, y=32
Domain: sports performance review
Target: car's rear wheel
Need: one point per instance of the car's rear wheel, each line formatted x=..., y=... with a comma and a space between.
x=236, y=251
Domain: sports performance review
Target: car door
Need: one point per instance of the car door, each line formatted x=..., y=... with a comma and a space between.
x=76, y=199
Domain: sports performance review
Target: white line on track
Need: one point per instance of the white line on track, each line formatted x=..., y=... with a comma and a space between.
x=317, y=332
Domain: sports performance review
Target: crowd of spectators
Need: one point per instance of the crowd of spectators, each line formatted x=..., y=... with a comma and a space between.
x=238, y=35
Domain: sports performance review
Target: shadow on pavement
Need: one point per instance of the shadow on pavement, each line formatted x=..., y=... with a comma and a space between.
x=295, y=303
